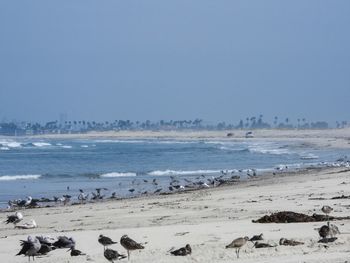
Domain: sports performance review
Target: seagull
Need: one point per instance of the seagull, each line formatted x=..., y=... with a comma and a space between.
x=46, y=240
x=327, y=210
x=105, y=241
x=184, y=251
x=238, y=243
x=256, y=238
x=324, y=231
x=263, y=245
x=30, y=247
x=27, y=202
x=75, y=252
x=16, y=218
x=130, y=244
x=82, y=196
x=30, y=225
x=64, y=242
x=44, y=249
x=112, y=255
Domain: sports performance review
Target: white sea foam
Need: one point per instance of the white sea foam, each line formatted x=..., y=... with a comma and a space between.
x=10, y=144
x=4, y=148
x=84, y=146
x=66, y=146
x=309, y=156
x=181, y=172
x=41, y=144
x=116, y=174
x=19, y=177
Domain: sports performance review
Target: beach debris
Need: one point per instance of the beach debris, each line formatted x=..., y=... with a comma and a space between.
x=130, y=244
x=32, y=224
x=112, y=255
x=105, y=241
x=184, y=251
x=14, y=219
x=30, y=247
x=341, y=197
x=256, y=238
x=290, y=242
x=292, y=217
x=75, y=252
x=237, y=244
x=64, y=242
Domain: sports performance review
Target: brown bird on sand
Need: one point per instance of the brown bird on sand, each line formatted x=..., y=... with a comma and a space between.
x=75, y=252
x=238, y=243
x=105, y=241
x=130, y=244
x=324, y=231
x=184, y=251
x=112, y=255
x=290, y=242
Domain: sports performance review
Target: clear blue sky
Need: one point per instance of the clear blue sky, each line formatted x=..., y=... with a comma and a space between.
x=217, y=60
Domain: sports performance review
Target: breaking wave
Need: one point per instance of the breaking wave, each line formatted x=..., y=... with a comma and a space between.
x=19, y=177
x=116, y=174
x=181, y=172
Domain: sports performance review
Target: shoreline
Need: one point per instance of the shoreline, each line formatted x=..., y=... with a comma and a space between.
x=334, y=138
x=208, y=219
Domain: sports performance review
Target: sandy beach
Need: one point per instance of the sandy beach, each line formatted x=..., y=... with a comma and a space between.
x=206, y=219
x=336, y=138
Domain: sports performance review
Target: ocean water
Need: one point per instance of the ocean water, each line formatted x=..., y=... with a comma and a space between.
x=45, y=168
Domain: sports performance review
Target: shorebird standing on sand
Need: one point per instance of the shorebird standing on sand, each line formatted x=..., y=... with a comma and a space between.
x=16, y=218
x=105, y=241
x=75, y=252
x=130, y=244
x=112, y=255
x=238, y=243
x=30, y=247
x=327, y=210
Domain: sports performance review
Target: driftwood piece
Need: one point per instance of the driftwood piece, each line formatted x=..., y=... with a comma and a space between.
x=292, y=217
x=341, y=197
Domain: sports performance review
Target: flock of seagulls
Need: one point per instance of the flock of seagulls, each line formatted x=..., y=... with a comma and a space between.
x=137, y=188
x=40, y=245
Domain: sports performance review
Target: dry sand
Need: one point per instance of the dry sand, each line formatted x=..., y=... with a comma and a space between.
x=207, y=219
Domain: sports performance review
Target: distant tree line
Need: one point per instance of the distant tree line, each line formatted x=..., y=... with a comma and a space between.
x=83, y=126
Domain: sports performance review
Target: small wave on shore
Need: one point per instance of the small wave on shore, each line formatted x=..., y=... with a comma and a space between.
x=116, y=174
x=181, y=172
x=19, y=177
